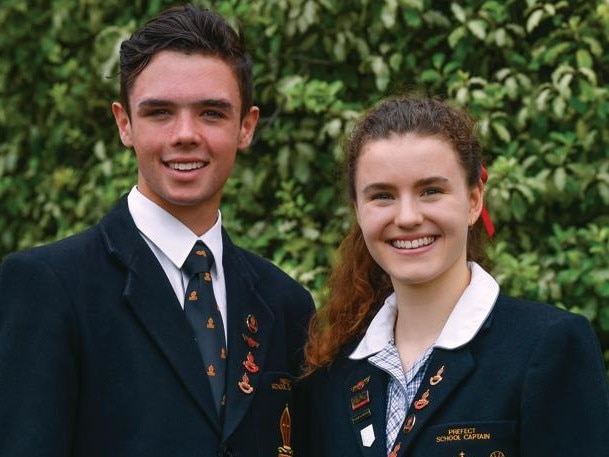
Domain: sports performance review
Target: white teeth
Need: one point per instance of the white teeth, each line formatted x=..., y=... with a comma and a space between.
x=413, y=244
x=185, y=166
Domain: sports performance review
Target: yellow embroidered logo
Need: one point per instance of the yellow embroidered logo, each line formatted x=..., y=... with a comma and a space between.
x=463, y=434
x=283, y=384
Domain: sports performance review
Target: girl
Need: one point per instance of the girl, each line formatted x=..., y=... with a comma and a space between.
x=417, y=352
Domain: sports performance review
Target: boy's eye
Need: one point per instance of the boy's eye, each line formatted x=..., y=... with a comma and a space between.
x=431, y=191
x=212, y=114
x=381, y=196
x=157, y=112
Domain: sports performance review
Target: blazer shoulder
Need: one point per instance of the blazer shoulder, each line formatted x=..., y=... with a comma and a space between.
x=526, y=317
x=83, y=248
x=523, y=309
x=256, y=266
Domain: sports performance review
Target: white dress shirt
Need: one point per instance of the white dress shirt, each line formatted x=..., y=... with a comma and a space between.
x=171, y=242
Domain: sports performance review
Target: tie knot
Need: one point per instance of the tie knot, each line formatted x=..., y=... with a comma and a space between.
x=200, y=259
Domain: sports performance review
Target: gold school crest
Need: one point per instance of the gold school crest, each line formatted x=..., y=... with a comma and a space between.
x=285, y=426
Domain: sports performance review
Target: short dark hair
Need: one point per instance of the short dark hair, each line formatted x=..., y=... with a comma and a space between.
x=190, y=30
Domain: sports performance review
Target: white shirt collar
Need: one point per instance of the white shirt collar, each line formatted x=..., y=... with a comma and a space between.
x=464, y=322
x=169, y=234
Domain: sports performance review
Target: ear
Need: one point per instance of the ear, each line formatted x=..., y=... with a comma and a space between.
x=476, y=202
x=248, y=127
x=123, y=123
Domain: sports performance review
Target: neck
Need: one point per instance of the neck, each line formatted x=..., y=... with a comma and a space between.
x=423, y=309
x=198, y=219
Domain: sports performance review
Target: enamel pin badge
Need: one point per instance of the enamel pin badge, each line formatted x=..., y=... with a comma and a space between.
x=285, y=428
x=245, y=385
x=437, y=378
x=367, y=434
x=423, y=401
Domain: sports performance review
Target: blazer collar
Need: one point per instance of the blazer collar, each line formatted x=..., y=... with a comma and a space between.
x=446, y=371
x=250, y=331
x=149, y=295
x=365, y=399
x=364, y=396
x=249, y=325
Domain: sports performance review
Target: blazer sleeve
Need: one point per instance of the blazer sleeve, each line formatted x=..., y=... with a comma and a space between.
x=565, y=398
x=38, y=359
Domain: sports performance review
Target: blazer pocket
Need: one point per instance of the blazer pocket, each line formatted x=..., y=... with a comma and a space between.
x=275, y=410
x=470, y=439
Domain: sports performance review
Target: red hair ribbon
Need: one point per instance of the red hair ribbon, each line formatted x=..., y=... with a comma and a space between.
x=486, y=217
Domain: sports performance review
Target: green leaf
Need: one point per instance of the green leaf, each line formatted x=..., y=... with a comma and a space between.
x=534, y=19
x=478, y=28
x=458, y=12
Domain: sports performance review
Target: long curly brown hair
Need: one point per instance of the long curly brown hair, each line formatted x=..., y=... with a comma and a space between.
x=357, y=285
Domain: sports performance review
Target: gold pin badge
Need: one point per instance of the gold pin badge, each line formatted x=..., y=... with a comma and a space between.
x=361, y=415
x=423, y=401
x=360, y=399
x=396, y=449
x=252, y=323
x=359, y=385
x=251, y=342
x=249, y=363
x=244, y=384
x=285, y=428
x=437, y=378
x=409, y=423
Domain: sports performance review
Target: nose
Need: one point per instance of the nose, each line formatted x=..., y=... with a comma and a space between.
x=185, y=130
x=408, y=213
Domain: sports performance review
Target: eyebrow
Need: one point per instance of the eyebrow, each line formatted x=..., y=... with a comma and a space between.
x=207, y=102
x=431, y=180
x=381, y=186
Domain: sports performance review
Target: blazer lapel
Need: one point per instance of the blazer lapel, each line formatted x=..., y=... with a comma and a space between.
x=365, y=399
x=154, y=304
x=250, y=330
x=447, y=369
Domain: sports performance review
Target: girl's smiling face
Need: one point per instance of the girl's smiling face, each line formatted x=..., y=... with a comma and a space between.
x=414, y=208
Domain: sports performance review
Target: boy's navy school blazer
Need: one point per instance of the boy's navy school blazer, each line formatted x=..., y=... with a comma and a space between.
x=530, y=384
x=98, y=360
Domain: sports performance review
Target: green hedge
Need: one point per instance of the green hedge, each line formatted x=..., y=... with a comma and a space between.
x=534, y=73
